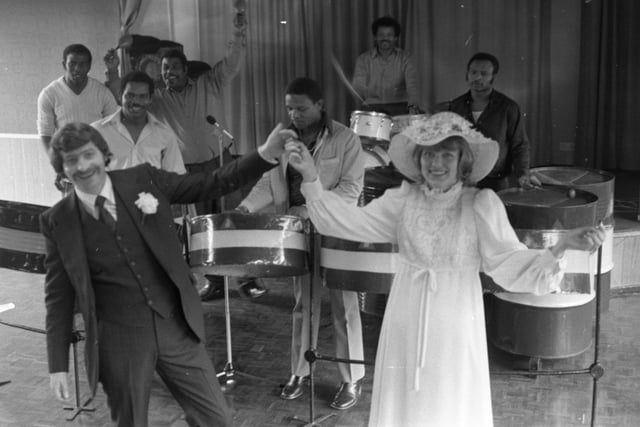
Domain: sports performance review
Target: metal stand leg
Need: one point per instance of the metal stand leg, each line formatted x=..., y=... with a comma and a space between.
x=227, y=376
x=78, y=408
x=595, y=370
x=310, y=355
x=228, y=372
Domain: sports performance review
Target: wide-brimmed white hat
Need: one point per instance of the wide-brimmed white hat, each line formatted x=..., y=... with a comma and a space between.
x=435, y=129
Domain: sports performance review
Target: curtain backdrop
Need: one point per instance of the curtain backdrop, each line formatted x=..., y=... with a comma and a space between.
x=559, y=60
x=291, y=38
x=609, y=112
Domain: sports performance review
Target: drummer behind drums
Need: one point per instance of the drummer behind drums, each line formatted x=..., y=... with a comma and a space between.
x=385, y=76
x=337, y=154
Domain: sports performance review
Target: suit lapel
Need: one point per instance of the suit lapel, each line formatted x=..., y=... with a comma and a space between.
x=149, y=226
x=68, y=235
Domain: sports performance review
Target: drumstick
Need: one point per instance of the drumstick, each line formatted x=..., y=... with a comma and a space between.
x=345, y=80
x=546, y=179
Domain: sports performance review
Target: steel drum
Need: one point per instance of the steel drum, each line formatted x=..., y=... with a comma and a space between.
x=375, y=156
x=400, y=123
x=248, y=245
x=363, y=267
x=602, y=184
x=22, y=247
x=357, y=266
x=370, y=124
x=555, y=325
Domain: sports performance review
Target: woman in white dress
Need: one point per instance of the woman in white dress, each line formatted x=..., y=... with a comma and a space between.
x=431, y=365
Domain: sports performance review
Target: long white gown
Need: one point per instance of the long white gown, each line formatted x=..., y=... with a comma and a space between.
x=431, y=364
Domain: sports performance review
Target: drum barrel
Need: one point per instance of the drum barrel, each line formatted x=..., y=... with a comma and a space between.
x=248, y=245
x=357, y=266
x=602, y=184
x=22, y=247
x=376, y=182
x=598, y=182
x=555, y=325
x=371, y=124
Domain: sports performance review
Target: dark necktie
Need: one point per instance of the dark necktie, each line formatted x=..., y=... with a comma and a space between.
x=103, y=214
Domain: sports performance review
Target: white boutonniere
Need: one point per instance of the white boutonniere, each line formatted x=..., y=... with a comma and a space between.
x=147, y=204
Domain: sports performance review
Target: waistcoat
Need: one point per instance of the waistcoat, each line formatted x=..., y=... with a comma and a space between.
x=127, y=279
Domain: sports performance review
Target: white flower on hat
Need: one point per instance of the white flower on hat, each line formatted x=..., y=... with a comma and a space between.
x=147, y=204
x=435, y=129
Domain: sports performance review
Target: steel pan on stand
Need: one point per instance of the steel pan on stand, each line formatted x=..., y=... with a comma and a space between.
x=22, y=247
x=364, y=267
x=400, y=123
x=555, y=325
x=602, y=184
x=247, y=246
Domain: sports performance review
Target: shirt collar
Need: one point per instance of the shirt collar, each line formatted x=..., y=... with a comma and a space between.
x=116, y=118
x=89, y=200
x=375, y=53
x=190, y=82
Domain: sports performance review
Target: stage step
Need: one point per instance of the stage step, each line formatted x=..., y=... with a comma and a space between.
x=626, y=254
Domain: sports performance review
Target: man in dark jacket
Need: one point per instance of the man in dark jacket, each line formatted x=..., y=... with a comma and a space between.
x=114, y=256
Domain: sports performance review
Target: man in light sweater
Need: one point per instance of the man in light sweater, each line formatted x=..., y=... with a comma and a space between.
x=74, y=97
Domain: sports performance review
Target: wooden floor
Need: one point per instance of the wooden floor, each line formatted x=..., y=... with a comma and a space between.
x=261, y=339
x=261, y=330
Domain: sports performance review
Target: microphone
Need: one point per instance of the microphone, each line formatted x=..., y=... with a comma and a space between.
x=212, y=121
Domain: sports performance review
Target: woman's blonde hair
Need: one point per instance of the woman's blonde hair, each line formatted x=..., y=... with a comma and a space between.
x=465, y=161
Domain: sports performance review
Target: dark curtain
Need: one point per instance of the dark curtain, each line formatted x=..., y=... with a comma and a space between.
x=569, y=64
x=608, y=110
x=291, y=38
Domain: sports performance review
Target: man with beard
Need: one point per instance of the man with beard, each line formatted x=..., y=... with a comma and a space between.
x=74, y=97
x=497, y=117
x=337, y=153
x=136, y=136
x=385, y=76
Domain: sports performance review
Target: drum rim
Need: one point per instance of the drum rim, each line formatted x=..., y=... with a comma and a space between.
x=600, y=172
x=369, y=113
x=591, y=198
x=255, y=215
x=10, y=204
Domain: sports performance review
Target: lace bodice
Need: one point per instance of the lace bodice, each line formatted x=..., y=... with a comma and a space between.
x=437, y=230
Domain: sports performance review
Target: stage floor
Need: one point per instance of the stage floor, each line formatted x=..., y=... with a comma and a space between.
x=261, y=340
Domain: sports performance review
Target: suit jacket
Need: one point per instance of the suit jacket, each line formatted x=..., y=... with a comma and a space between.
x=68, y=278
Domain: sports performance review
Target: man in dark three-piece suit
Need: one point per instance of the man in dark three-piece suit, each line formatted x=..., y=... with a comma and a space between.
x=114, y=256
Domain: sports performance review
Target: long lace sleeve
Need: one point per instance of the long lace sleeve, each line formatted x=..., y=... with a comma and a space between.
x=375, y=222
x=510, y=263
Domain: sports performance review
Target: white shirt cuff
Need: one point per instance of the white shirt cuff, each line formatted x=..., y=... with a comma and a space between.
x=261, y=153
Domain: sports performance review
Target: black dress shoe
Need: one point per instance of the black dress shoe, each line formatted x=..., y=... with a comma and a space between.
x=212, y=289
x=293, y=388
x=251, y=289
x=347, y=395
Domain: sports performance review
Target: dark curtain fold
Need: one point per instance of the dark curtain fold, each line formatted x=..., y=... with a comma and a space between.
x=291, y=38
x=608, y=111
x=570, y=65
